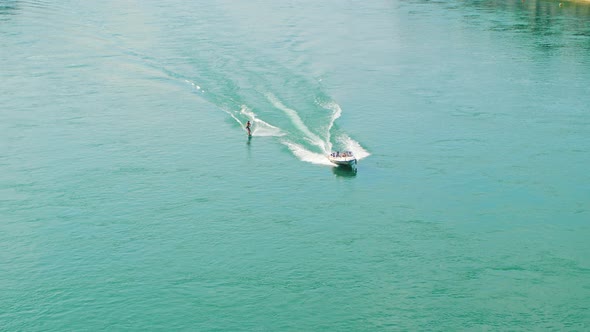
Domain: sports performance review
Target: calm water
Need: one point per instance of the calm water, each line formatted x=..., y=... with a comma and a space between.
x=130, y=198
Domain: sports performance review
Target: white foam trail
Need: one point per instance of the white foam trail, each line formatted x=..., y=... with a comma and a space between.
x=260, y=127
x=194, y=85
x=336, y=113
x=311, y=137
x=308, y=156
x=237, y=120
x=354, y=146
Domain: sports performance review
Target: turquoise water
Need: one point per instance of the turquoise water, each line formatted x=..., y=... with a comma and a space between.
x=131, y=199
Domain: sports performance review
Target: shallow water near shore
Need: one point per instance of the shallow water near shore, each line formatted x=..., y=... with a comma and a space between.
x=132, y=199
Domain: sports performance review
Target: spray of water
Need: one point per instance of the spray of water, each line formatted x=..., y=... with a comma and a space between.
x=325, y=143
x=305, y=155
x=323, y=140
x=351, y=145
x=336, y=112
x=292, y=114
x=260, y=127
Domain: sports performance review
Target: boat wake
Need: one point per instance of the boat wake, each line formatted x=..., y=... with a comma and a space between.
x=319, y=144
x=299, y=124
x=305, y=125
x=306, y=155
x=355, y=147
x=260, y=128
x=308, y=141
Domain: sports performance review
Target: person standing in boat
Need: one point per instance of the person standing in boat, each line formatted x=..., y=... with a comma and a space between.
x=248, y=128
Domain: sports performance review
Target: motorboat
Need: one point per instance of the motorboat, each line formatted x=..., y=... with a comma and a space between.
x=344, y=158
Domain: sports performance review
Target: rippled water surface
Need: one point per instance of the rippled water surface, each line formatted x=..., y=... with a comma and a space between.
x=131, y=198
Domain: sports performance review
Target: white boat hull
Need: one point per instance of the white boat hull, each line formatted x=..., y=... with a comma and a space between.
x=343, y=161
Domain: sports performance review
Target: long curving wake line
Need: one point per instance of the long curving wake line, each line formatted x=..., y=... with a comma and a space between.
x=325, y=144
x=294, y=116
x=307, y=143
x=302, y=125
